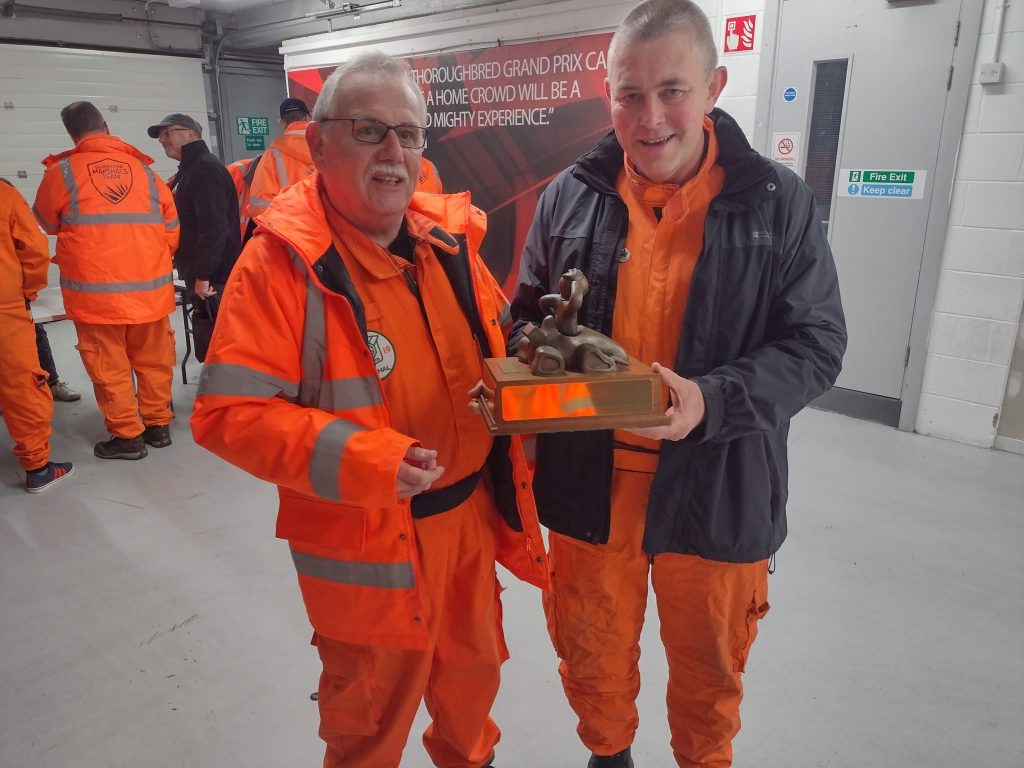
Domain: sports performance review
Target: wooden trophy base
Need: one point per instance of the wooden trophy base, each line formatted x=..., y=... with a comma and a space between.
x=523, y=403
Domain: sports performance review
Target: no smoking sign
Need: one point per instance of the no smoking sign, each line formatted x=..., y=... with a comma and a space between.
x=786, y=148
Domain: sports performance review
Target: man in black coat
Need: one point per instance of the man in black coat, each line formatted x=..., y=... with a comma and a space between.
x=710, y=262
x=207, y=206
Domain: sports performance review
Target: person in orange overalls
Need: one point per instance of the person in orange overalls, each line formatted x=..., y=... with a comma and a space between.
x=429, y=179
x=242, y=172
x=350, y=336
x=712, y=266
x=116, y=229
x=25, y=399
x=286, y=160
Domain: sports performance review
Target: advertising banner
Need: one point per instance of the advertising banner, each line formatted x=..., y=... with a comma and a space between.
x=503, y=122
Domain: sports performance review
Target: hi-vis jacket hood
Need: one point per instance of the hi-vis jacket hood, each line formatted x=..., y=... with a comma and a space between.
x=116, y=228
x=286, y=162
x=290, y=393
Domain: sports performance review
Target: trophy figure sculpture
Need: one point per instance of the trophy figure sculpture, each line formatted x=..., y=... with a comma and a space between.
x=567, y=377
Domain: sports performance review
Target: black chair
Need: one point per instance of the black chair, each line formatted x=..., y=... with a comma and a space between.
x=180, y=296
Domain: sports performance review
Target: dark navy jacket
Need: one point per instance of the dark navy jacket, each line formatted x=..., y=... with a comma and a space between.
x=763, y=336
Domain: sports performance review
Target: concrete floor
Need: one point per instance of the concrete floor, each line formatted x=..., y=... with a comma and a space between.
x=148, y=617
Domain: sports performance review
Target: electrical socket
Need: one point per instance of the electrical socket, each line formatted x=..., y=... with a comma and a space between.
x=991, y=73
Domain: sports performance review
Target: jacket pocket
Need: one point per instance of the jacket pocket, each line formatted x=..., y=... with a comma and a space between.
x=346, y=694
x=755, y=612
x=320, y=526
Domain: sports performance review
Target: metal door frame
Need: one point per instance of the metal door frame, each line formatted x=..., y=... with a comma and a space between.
x=862, y=404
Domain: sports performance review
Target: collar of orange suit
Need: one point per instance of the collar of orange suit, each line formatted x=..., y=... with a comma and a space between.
x=675, y=199
x=99, y=142
x=376, y=259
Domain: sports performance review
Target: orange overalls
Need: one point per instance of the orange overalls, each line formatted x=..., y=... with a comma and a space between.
x=404, y=608
x=286, y=161
x=25, y=399
x=426, y=369
x=708, y=610
x=116, y=229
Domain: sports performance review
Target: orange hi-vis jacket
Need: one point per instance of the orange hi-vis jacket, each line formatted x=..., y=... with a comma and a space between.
x=291, y=394
x=429, y=179
x=242, y=172
x=286, y=162
x=116, y=227
x=24, y=251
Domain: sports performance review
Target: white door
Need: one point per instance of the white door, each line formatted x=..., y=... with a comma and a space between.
x=857, y=105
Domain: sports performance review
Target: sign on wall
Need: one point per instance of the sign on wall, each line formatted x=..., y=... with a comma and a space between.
x=885, y=184
x=786, y=148
x=503, y=122
x=740, y=34
x=253, y=126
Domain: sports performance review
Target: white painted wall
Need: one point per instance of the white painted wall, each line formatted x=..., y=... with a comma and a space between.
x=981, y=285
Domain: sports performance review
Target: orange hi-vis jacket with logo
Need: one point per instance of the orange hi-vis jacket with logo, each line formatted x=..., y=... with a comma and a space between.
x=286, y=162
x=291, y=394
x=242, y=172
x=116, y=228
x=24, y=252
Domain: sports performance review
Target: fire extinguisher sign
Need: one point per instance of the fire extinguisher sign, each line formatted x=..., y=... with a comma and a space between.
x=740, y=34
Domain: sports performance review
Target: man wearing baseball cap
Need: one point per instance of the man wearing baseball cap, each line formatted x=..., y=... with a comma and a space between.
x=287, y=160
x=207, y=207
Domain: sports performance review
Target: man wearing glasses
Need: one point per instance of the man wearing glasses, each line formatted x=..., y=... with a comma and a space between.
x=207, y=206
x=349, y=339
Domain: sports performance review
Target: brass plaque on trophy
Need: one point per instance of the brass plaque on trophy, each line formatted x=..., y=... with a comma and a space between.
x=567, y=377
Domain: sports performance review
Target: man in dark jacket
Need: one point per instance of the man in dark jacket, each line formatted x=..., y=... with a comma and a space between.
x=707, y=257
x=207, y=206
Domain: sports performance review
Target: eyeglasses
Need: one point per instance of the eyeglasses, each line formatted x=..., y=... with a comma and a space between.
x=166, y=131
x=373, y=131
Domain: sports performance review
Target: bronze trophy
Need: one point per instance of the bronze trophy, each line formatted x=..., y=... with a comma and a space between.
x=566, y=377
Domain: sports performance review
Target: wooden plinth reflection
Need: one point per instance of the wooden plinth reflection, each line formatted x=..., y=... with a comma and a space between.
x=524, y=403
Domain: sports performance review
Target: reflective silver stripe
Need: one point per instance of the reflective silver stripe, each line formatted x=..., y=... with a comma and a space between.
x=384, y=575
x=171, y=225
x=74, y=216
x=342, y=394
x=140, y=285
x=282, y=169
x=325, y=463
x=314, y=340
x=50, y=229
x=242, y=381
x=259, y=202
x=505, y=318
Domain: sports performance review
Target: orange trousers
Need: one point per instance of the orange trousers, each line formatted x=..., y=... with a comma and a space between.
x=111, y=353
x=369, y=695
x=708, y=612
x=25, y=398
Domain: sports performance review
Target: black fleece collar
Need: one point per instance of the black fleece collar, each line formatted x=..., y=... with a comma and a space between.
x=191, y=152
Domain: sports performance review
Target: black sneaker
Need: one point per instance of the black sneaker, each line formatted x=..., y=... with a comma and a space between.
x=130, y=448
x=623, y=759
x=40, y=480
x=157, y=436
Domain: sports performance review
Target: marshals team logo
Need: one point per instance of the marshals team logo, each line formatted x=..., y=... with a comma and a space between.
x=112, y=179
x=383, y=353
